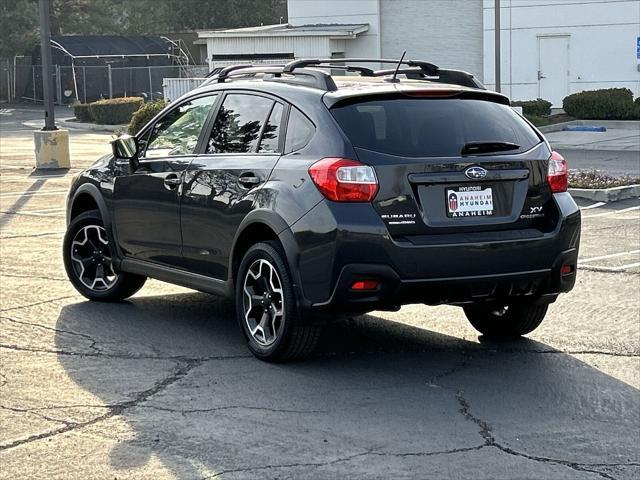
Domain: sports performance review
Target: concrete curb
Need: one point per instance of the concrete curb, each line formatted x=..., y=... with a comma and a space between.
x=69, y=123
x=606, y=194
x=615, y=124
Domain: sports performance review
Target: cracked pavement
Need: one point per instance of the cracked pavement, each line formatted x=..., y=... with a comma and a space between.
x=163, y=387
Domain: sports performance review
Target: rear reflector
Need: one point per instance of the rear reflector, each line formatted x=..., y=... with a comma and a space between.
x=566, y=269
x=558, y=173
x=344, y=180
x=365, y=285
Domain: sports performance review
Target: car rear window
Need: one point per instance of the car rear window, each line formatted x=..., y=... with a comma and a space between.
x=428, y=127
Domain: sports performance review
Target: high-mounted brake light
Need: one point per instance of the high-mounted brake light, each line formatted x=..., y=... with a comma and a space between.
x=558, y=173
x=429, y=93
x=344, y=180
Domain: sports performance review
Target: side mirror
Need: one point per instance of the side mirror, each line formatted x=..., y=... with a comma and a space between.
x=126, y=148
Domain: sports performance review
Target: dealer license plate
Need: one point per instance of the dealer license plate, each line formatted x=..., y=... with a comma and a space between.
x=470, y=201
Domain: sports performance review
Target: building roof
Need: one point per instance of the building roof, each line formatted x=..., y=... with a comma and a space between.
x=79, y=46
x=288, y=30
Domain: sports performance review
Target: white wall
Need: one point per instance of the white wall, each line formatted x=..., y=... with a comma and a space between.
x=301, y=47
x=446, y=32
x=602, y=43
x=309, y=12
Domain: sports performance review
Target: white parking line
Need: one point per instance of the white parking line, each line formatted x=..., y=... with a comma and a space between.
x=35, y=214
x=603, y=257
x=34, y=194
x=45, y=210
x=595, y=205
x=613, y=212
x=599, y=268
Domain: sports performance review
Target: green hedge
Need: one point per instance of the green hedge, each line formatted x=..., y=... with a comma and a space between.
x=606, y=104
x=144, y=114
x=115, y=111
x=537, y=120
x=538, y=107
x=82, y=112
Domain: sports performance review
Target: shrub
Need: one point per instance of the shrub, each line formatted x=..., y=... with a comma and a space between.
x=115, y=111
x=82, y=112
x=145, y=113
x=537, y=107
x=538, y=121
x=597, y=179
x=606, y=104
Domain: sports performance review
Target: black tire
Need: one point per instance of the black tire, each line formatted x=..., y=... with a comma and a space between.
x=119, y=286
x=292, y=339
x=508, y=321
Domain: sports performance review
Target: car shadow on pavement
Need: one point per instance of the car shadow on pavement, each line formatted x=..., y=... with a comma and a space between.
x=379, y=399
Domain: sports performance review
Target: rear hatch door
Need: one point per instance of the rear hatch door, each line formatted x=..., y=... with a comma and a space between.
x=450, y=164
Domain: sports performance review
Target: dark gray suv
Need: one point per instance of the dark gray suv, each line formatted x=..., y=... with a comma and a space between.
x=307, y=196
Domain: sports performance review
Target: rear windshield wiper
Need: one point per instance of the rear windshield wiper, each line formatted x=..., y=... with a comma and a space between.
x=475, y=148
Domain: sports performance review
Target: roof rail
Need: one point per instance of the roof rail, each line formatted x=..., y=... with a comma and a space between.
x=428, y=68
x=297, y=72
x=303, y=76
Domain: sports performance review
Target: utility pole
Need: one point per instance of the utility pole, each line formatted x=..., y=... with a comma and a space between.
x=497, y=44
x=47, y=78
x=51, y=144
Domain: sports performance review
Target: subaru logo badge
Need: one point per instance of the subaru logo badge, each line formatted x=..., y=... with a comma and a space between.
x=475, y=173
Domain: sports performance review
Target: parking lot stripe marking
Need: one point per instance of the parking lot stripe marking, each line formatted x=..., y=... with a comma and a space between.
x=631, y=265
x=613, y=212
x=45, y=210
x=601, y=268
x=595, y=205
x=33, y=194
x=603, y=257
x=34, y=214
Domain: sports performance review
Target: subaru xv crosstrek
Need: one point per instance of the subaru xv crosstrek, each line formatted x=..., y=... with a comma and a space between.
x=307, y=196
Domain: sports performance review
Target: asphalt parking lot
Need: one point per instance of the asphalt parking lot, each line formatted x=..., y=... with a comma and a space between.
x=162, y=386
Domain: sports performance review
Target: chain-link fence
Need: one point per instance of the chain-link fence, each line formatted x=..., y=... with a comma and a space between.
x=22, y=82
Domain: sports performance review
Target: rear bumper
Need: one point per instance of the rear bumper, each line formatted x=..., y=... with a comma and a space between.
x=341, y=244
x=542, y=285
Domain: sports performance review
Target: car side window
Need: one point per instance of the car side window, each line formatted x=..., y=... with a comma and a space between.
x=299, y=131
x=178, y=131
x=239, y=123
x=271, y=133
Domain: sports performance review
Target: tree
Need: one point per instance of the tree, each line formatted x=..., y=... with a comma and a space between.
x=19, y=29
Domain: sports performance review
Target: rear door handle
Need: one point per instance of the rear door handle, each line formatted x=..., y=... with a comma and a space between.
x=172, y=181
x=249, y=179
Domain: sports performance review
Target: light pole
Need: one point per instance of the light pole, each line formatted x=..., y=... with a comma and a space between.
x=51, y=144
x=47, y=78
x=497, y=44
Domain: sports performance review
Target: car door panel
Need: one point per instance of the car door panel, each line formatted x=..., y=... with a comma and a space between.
x=214, y=203
x=220, y=186
x=147, y=201
x=147, y=211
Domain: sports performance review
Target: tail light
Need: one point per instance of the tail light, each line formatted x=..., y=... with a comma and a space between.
x=558, y=173
x=344, y=180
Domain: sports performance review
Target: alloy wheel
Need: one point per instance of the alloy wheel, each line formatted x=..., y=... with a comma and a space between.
x=263, y=302
x=92, y=258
